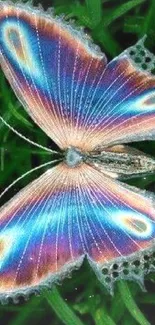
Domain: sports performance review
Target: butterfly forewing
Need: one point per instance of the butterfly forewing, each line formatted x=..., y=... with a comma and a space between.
x=66, y=86
x=50, y=67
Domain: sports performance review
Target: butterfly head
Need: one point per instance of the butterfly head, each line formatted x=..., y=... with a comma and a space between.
x=73, y=157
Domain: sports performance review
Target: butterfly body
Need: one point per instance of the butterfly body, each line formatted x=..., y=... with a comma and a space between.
x=89, y=108
x=117, y=161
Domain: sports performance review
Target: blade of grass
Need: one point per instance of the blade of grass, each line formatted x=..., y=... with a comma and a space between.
x=116, y=305
x=133, y=24
x=26, y=312
x=18, y=116
x=149, y=19
x=102, y=317
x=5, y=90
x=121, y=10
x=105, y=38
x=8, y=147
x=147, y=299
x=127, y=320
x=131, y=305
x=95, y=11
x=81, y=12
x=63, y=311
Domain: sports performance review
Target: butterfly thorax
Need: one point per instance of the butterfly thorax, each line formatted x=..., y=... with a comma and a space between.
x=73, y=157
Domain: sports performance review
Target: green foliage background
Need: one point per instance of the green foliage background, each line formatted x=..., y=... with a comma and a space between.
x=81, y=299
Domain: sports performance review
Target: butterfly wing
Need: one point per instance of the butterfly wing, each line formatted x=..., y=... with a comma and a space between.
x=66, y=214
x=47, y=62
x=123, y=218
x=66, y=86
x=126, y=108
x=37, y=234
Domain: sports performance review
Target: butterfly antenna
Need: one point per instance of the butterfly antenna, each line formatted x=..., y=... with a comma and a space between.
x=27, y=173
x=26, y=139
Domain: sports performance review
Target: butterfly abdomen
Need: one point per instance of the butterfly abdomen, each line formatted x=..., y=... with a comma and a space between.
x=122, y=162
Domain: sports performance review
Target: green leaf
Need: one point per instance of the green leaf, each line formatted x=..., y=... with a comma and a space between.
x=63, y=311
x=121, y=10
x=131, y=304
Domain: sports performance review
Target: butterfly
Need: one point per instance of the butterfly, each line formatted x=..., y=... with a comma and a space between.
x=90, y=109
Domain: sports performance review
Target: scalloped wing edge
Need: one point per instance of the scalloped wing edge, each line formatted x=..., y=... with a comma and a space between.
x=70, y=26
x=132, y=268
x=46, y=284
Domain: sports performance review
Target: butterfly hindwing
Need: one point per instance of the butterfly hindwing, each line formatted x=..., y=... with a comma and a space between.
x=66, y=214
x=37, y=234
